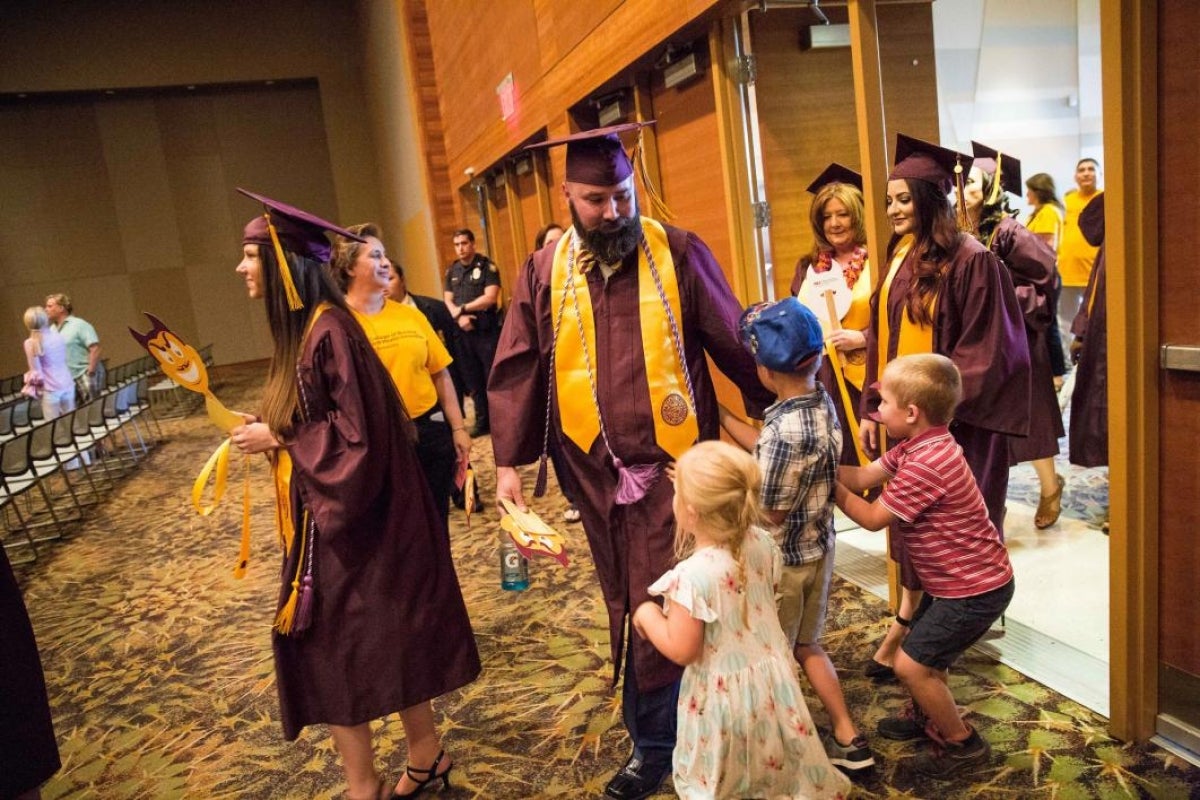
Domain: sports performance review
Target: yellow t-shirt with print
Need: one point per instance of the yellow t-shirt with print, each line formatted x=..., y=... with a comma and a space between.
x=410, y=349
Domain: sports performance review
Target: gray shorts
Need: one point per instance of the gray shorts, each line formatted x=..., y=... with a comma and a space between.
x=943, y=629
x=802, y=597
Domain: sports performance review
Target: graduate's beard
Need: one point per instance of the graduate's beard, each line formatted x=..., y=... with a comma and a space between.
x=610, y=247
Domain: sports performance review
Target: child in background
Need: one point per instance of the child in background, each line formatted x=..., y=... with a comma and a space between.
x=954, y=548
x=744, y=730
x=797, y=452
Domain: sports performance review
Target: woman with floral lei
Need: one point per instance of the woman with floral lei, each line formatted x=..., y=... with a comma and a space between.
x=744, y=730
x=839, y=245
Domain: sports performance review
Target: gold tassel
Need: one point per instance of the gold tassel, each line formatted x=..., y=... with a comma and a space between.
x=962, y=217
x=287, y=615
x=994, y=195
x=656, y=202
x=285, y=272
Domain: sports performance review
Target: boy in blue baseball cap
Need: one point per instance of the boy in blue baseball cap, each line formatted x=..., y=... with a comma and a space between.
x=797, y=452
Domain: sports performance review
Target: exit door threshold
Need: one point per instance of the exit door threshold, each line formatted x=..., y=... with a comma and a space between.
x=1065, y=669
x=1177, y=737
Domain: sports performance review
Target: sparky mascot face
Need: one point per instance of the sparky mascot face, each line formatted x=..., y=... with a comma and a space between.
x=180, y=362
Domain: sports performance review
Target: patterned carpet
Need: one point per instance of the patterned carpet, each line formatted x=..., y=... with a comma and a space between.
x=160, y=676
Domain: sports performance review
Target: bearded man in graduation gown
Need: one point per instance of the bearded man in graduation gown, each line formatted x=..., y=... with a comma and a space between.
x=604, y=350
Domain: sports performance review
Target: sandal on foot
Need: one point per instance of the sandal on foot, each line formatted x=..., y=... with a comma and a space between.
x=1050, y=506
x=430, y=775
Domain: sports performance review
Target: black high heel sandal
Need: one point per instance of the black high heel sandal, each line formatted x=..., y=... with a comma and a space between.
x=430, y=776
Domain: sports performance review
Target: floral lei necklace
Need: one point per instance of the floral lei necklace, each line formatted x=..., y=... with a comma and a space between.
x=852, y=269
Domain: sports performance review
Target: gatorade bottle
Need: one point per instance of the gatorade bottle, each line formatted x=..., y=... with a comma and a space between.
x=514, y=567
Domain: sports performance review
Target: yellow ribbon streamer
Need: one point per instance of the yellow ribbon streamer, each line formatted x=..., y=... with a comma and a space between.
x=217, y=467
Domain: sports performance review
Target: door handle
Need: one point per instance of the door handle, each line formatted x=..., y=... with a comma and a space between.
x=1183, y=357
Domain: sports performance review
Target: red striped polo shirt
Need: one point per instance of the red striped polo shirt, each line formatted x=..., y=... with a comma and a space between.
x=952, y=544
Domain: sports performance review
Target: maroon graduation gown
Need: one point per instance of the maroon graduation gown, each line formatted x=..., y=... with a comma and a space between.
x=1031, y=264
x=389, y=627
x=1088, y=442
x=28, y=752
x=631, y=545
x=978, y=326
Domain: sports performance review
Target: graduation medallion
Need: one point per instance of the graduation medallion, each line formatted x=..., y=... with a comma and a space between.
x=674, y=410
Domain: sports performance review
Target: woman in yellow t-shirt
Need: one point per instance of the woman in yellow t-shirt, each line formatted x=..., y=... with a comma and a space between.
x=413, y=354
x=1046, y=220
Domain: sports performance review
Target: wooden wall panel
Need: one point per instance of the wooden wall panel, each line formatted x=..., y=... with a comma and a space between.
x=688, y=158
x=531, y=211
x=470, y=64
x=502, y=249
x=1179, y=241
x=475, y=46
x=433, y=133
x=806, y=112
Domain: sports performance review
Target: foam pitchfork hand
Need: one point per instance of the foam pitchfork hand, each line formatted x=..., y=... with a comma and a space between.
x=183, y=364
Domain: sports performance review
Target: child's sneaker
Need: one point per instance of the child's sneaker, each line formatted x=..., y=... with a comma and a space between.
x=852, y=757
x=946, y=761
x=908, y=724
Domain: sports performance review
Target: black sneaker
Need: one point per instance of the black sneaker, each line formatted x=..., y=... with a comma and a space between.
x=878, y=672
x=945, y=761
x=907, y=725
x=636, y=780
x=852, y=757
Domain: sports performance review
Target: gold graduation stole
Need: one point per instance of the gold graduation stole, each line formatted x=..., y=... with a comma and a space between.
x=675, y=425
x=913, y=336
x=858, y=318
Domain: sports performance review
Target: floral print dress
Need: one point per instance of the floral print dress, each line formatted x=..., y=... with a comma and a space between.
x=744, y=730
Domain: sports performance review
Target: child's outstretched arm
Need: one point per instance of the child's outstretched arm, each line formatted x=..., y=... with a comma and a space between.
x=859, y=479
x=742, y=432
x=871, y=516
x=679, y=636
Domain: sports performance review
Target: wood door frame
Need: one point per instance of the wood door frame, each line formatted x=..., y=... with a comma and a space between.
x=1129, y=69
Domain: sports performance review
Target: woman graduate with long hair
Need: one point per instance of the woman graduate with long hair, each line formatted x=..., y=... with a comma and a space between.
x=370, y=620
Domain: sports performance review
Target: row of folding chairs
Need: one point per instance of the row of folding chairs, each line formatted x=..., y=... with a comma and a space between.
x=54, y=470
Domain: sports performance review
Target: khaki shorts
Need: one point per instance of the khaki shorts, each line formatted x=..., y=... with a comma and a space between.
x=801, y=598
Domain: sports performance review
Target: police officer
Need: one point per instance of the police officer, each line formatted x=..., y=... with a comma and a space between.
x=472, y=291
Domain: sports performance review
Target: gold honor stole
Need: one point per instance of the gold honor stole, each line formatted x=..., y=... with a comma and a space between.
x=675, y=425
x=858, y=318
x=913, y=337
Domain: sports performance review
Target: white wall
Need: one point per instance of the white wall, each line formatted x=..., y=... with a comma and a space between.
x=1022, y=76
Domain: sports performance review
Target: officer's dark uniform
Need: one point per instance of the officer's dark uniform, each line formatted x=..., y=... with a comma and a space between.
x=477, y=346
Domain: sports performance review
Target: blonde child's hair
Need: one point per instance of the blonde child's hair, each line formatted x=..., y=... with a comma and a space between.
x=36, y=320
x=928, y=381
x=721, y=483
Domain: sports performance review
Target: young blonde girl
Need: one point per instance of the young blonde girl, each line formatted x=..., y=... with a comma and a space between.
x=744, y=730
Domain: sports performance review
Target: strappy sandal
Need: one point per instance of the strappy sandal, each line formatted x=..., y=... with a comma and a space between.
x=1050, y=506
x=430, y=774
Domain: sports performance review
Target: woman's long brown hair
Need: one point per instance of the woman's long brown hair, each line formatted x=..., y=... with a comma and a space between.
x=937, y=239
x=280, y=398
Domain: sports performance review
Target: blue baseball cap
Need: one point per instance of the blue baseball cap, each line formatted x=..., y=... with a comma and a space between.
x=781, y=336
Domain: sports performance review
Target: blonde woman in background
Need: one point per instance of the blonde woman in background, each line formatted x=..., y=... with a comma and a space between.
x=46, y=355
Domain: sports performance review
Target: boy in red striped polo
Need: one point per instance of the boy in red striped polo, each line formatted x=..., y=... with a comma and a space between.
x=955, y=550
